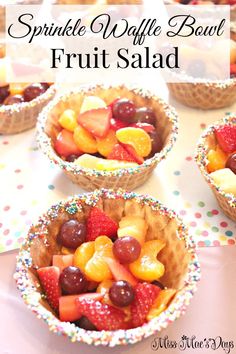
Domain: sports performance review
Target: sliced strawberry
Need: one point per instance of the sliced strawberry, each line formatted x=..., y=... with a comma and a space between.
x=233, y=69
x=68, y=310
x=148, y=128
x=145, y=295
x=96, y=121
x=102, y=316
x=120, y=272
x=49, y=278
x=65, y=145
x=131, y=150
x=226, y=137
x=117, y=124
x=98, y=224
x=62, y=261
x=121, y=154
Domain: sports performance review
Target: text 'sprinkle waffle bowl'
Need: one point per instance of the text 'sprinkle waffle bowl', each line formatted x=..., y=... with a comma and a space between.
x=179, y=257
x=89, y=179
x=227, y=202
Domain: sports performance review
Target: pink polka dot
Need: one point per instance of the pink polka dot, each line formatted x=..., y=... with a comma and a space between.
x=21, y=239
x=6, y=232
x=216, y=243
x=198, y=215
x=20, y=186
x=205, y=233
x=223, y=224
x=189, y=158
x=6, y=208
x=203, y=125
x=9, y=242
x=17, y=170
x=0, y=224
x=5, y=142
x=231, y=241
x=201, y=244
x=28, y=222
x=183, y=212
x=215, y=212
x=193, y=224
x=23, y=212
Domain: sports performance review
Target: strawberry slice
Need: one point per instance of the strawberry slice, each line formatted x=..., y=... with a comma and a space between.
x=49, y=278
x=145, y=295
x=96, y=121
x=62, y=261
x=117, y=124
x=148, y=128
x=233, y=69
x=226, y=137
x=102, y=316
x=98, y=223
x=119, y=271
x=65, y=145
x=121, y=154
x=131, y=150
x=68, y=310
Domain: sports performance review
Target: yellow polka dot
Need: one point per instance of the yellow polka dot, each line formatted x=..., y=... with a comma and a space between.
x=223, y=238
x=15, y=222
x=2, y=166
x=34, y=202
x=187, y=205
x=206, y=224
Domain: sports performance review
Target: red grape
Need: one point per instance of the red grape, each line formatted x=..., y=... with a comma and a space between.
x=86, y=324
x=124, y=110
x=157, y=144
x=13, y=99
x=72, y=234
x=32, y=91
x=145, y=115
x=72, y=281
x=121, y=293
x=126, y=249
x=231, y=162
x=4, y=92
x=159, y=284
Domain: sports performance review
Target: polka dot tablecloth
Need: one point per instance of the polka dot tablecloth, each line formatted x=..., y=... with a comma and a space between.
x=30, y=184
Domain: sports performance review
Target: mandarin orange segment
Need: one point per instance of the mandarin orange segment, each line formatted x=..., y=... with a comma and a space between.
x=103, y=288
x=147, y=267
x=161, y=303
x=17, y=88
x=85, y=141
x=134, y=226
x=83, y=254
x=216, y=160
x=68, y=120
x=106, y=144
x=97, y=269
x=65, y=250
x=137, y=138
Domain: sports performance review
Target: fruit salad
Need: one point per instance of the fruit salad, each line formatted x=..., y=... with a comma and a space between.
x=18, y=92
x=107, y=137
x=106, y=274
x=221, y=161
x=207, y=2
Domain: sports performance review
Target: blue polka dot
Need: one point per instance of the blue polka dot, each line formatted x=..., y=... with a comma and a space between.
x=229, y=233
x=177, y=173
x=207, y=242
x=17, y=233
x=51, y=187
x=176, y=193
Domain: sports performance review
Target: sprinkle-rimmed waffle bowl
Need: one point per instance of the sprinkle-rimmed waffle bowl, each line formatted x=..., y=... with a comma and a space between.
x=182, y=270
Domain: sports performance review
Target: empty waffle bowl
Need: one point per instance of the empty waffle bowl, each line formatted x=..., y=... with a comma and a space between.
x=226, y=201
x=182, y=270
x=89, y=179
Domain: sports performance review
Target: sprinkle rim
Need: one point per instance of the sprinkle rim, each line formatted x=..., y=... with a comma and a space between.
x=108, y=338
x=44, y=140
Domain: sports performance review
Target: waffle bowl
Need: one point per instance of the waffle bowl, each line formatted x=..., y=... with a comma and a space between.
x=227, y=202
x=89, y=179
x=103, y=2
x=19, y=117
x=208, y=95
x=179, y=257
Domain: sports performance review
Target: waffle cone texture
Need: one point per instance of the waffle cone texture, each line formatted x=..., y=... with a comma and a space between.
x=48, y=128
x=179, y=258
x=19, y=117
x=227, y=202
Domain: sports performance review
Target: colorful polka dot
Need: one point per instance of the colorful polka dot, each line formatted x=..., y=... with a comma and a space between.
x=193, y=224
x=20, y=186
x=5, y=142
x=6, y=232
x=215, y=212
x=201, y=204
x=205, y=233
x=198, y=215
x=176, y=193
x=223, y=238
x=23, y=212
x=229, y=233
x=203, y=126
x=188, y=158
x=209, y=214
x=17, y=170
x=6, y=208
x=223, y=224
x=216, y=243
x=207, y=243
x=201, y=244
x=231, y=242
x=177, y=173
x=51, y=187
x=2, y=166
x=214, y=229
x=183, y=212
